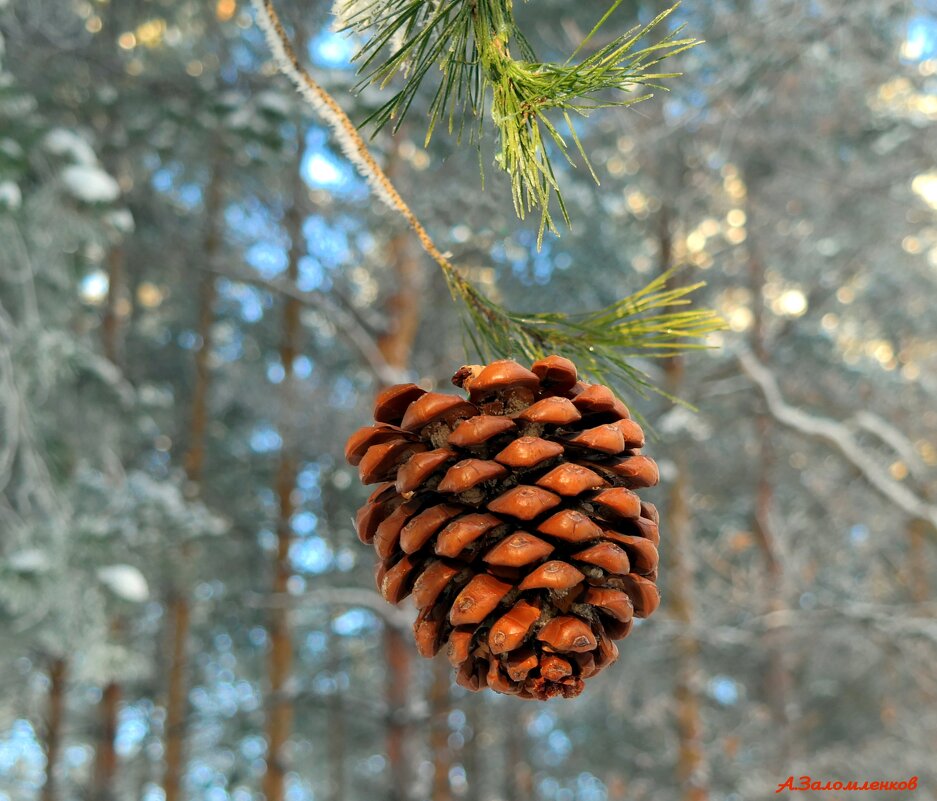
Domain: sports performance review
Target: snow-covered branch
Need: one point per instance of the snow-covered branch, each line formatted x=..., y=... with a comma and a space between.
x=837, y=435
x=346, y=134
x=891, y=436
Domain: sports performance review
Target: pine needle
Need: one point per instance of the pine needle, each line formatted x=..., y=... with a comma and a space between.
x=648, y=323
x=468, y=43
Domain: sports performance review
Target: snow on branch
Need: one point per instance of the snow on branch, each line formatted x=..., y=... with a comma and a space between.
x=890, y=435
x=838, y=436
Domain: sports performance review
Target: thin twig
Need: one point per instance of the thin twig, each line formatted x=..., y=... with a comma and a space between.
x=351, y=142
x=837, y=435
x=355, y=334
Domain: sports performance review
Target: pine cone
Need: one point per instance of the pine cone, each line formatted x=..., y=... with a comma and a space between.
x=510, y=519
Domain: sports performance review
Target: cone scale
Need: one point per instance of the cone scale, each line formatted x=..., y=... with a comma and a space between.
x=510, y=519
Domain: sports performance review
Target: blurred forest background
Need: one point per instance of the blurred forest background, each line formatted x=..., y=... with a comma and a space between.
x=199, y=299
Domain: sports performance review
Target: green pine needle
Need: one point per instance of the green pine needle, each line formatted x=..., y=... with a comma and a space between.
x=469, y=43
x=652, y=323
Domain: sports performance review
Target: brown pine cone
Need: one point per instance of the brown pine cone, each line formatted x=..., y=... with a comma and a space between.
x=510, y=519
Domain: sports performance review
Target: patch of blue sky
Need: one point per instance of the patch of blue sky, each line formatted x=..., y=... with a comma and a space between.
x=265, y=439
x=77, y=756
x=217, y=791
x=297, y=789
x=309, y=476
x=232, y=348
x=189, y=340
x=251, y=219
x=248, y=696
x=153, y=792
x=675, y=108
x=558, y=746
x=94, y=285
x=590, y=788
x=343, y=394
x=302, y=366
x=541, y=723
x=316, y=643
x=859, y=534
x=548, y=787
x=528, y=266
x=325, y=683
x=162, y=179
x=21, y=753
x=189, y=195
x=328, y=243
x=354, y=623
x=311, y=555
x=252, y=746
x=166, y=179
x=921, y=39
x=311, y=275
x=333, y=50
x=257, y=636
x=267, y=257
x=252, y=301
x=346, y=559
x=132, y=728
x=321, y=168
x=364, y=240
x=304, y=523
x=200, y=772
x=275, y=372
x=724, y=690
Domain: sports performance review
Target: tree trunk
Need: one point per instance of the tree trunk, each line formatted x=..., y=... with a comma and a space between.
x=105, y=762
x=110, y=325
x=178, y=604
x=279, y=704
x=55, y=715
x=337, y=737
x=777, y=680
x=918, y=530
x=178, y=618
x=518, y=777
x=440, y=707
x=474, y=719
x=691, y=764
x=395, y=344
x=397, y=684
x=105, y=767
x=690, y=759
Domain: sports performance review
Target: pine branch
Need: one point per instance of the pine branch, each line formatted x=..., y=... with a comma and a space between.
x=469, y=43
x=650, y=323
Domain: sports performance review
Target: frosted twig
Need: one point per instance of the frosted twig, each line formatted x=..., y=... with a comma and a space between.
x=891, y=436
x=838, y=436
x=350, y=141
